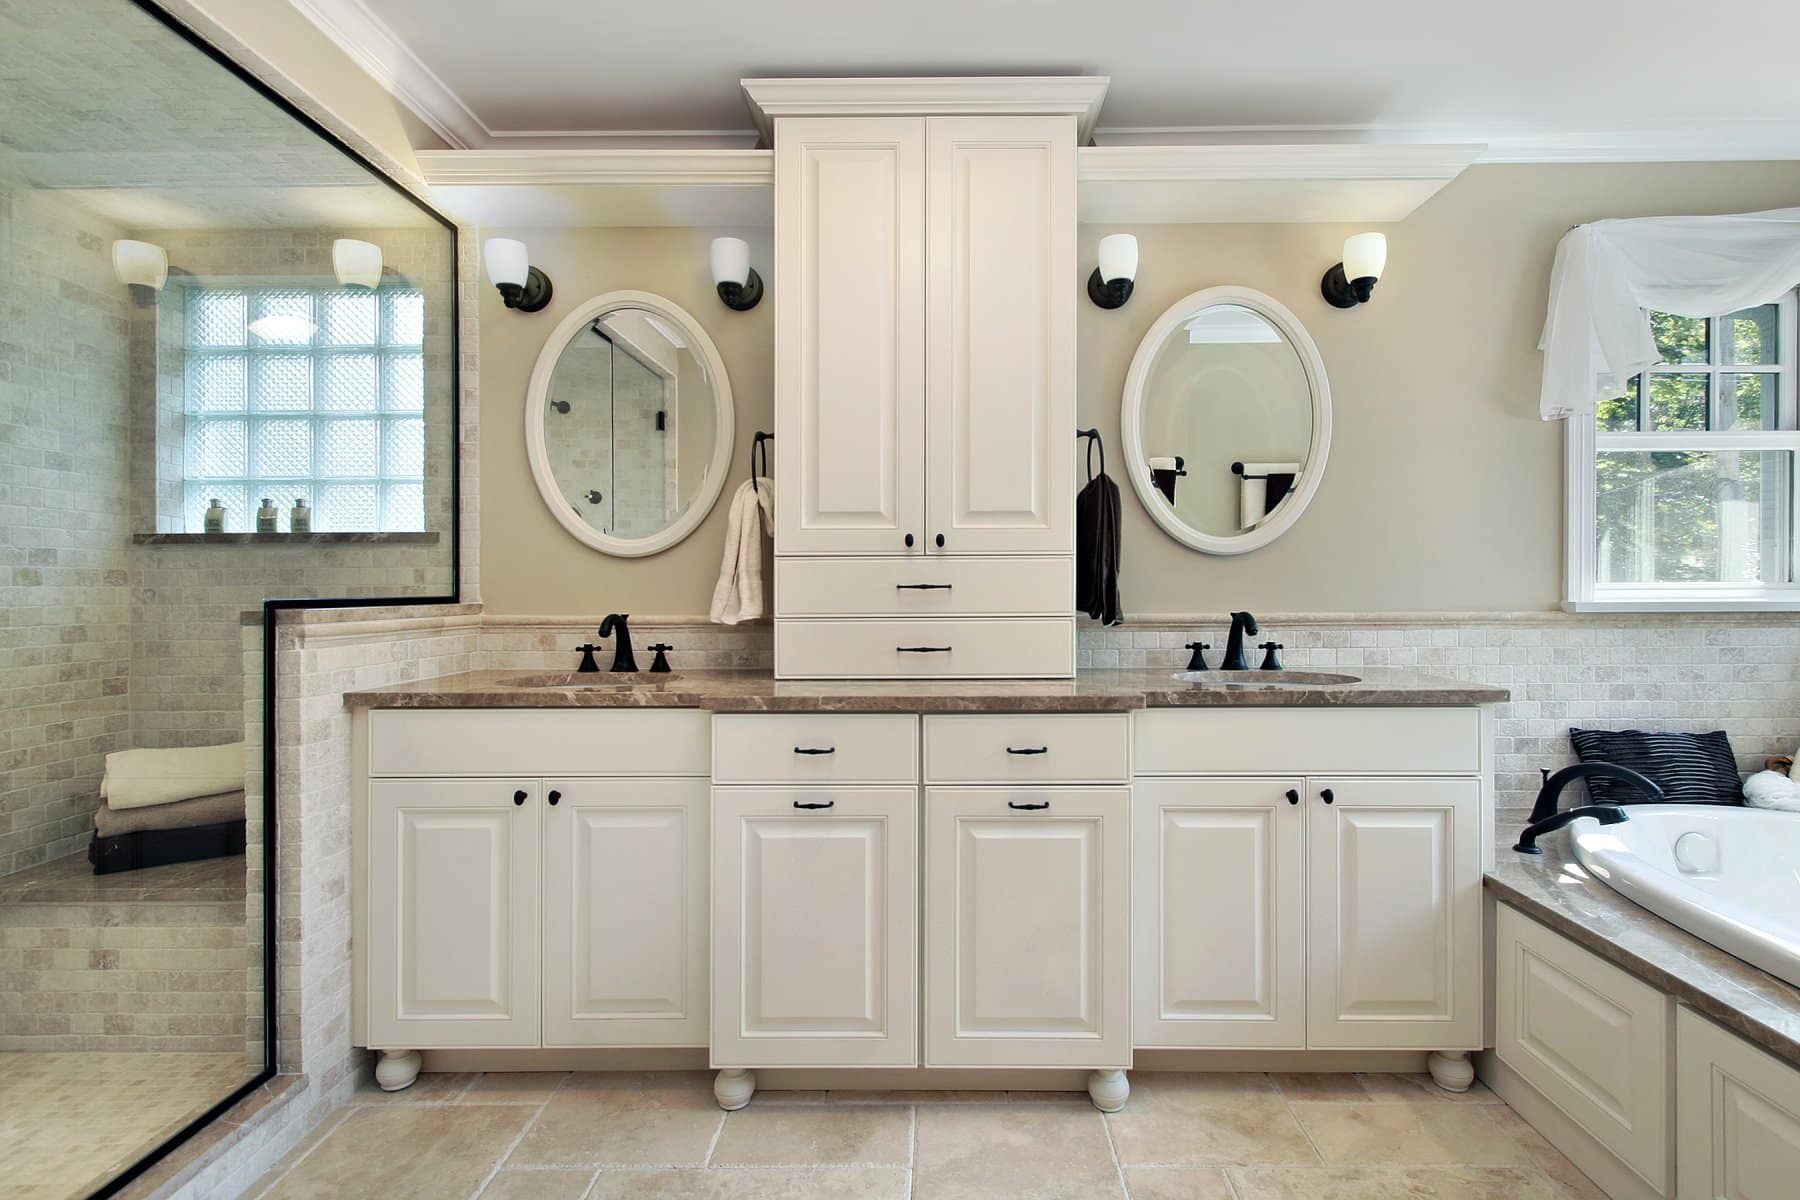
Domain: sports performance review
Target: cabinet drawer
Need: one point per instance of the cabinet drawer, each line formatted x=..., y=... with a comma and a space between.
x=1028, y=747
x=924, y=585
x=1300, y=741
x=942, y=647
x=537, y=742
x=1593, y=1039
x=815, y=748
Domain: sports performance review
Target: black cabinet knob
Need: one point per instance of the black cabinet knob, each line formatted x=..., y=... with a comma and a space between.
x=1327, y=796
x=1293, y=796
x=909, y=541
x=555, y=797
x=519, y=796
x=940, y=541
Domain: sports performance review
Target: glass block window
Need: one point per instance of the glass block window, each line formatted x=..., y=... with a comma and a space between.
x=312, y=393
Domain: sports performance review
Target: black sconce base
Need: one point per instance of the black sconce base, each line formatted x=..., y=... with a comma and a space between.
x=742, y=297
x=1340, y=292
x=1108, y=295
x=530, y=298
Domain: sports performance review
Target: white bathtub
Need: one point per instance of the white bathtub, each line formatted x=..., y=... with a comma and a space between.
x=1728, y=875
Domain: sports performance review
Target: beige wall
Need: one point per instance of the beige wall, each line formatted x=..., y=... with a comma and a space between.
x=529, y=564
x=1443, y=490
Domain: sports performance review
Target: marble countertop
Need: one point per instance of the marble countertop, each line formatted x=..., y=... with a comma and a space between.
x=1556, y=891
x=755, y=691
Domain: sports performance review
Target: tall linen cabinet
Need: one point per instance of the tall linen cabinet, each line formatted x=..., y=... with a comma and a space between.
x=924, y=396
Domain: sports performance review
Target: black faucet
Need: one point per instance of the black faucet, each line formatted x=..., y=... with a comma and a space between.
x=661, y=665
x=1241, y=623
x=588, y=665
x=1545, y=818
x=622, y=657
x=1197, y=661
x=1270, y=662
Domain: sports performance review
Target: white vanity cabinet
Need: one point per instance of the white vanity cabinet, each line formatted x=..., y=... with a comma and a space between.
x=530, y=878
x=1310, y=878
x=1737, y=1112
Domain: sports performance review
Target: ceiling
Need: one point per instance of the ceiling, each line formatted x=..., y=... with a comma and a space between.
x=1533, y=79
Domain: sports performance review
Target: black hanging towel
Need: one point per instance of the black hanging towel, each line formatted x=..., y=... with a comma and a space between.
x=1097, y=540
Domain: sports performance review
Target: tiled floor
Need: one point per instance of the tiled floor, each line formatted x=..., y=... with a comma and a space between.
x=1181, y=1137
x=70, y=1121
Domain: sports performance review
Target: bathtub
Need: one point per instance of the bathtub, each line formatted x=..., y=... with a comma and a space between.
x=1728, y=875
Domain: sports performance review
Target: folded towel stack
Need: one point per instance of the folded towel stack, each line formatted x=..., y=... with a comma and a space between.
x=149, y=778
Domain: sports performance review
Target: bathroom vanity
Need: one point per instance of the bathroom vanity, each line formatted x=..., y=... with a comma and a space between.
x=915, y=878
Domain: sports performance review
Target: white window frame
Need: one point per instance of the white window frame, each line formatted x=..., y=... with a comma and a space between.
x=1583, y=442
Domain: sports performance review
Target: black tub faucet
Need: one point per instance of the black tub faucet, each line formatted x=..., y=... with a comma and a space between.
x=1241, y=623
x=1545, y=818
x=622, y=656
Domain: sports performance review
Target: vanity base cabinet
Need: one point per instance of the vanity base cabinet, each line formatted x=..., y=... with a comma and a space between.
x=815, y=927
x=1737, y=1114
x=1027, y=959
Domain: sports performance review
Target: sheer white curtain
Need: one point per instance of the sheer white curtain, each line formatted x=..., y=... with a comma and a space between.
x=1610, y=274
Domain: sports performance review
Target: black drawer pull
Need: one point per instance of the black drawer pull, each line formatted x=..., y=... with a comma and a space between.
x=1028, y=749
x=1293, y=796
x=519, y=796
x=921, y=649
x=1028, y=807
x=555, y=797
x=1326, y=796
x=815, y=749
x=814, y=804
x=922, y=587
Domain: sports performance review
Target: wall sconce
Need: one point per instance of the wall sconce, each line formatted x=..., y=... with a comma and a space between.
x=143, y=267
x=357, y=264
x=509, y=268
x=740, y=287
x=1110, y=284
x=1352, y=281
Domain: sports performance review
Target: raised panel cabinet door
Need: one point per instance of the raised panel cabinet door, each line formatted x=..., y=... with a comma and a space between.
x=1027, y=926
x=815, y=927
x=849, y=292
x=1737, y=1113
x=625, y=913
x=453, y=913
x=1394, y=907
x=1219, y=904
x=1000, y=387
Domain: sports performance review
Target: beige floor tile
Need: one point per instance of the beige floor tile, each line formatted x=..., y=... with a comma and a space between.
x=1000, y=1151
x=513, y=1087
x=405, y=1151
x=432, y=1087
x=538, y=1185
x=1403, y=1134
x=1178, y=1183
x=1322, y=1086
x=814, y=1135
x=830, y=1183
x=1421, y=1087
x=1207, y=1120
x=665, y=1120
x=1176, y=1087
x=1390, y=1183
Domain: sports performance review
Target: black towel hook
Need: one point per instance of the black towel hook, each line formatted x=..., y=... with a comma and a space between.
x=1093, y=437
x=759, y=442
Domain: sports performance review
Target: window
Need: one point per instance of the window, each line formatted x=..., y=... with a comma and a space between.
x=311, y=393
x=1682, y=484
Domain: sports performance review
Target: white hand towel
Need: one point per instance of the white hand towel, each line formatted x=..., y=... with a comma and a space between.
x=143, y=778
x=738, y=596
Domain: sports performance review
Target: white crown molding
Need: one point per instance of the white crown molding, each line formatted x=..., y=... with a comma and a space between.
x=1717, y=141
x=1079, y=96
x=379, y=51
x=603, y=168
x=1191, y=163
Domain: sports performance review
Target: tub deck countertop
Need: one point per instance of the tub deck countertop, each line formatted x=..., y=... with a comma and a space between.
x=1555, y=890
x=1105, y=690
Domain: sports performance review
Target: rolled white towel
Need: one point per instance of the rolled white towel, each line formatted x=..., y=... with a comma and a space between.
x=1772, y=789
x=143, y=778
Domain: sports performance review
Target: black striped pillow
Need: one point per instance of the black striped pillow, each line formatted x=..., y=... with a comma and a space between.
x=1692, y=768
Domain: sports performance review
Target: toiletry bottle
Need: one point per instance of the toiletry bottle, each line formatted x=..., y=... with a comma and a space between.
x=215, y=517
x=267, y=516
x=300, y=519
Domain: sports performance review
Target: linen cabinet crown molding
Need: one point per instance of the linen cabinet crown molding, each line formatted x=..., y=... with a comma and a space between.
x=1075, y=96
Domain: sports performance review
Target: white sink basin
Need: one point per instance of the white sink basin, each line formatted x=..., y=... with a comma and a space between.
x=1266, y=679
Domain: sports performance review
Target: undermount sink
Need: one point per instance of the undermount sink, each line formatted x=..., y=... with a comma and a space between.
x=589, y=681
x=1266, y=679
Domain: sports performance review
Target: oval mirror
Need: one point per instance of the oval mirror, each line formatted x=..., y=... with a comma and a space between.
x=1226, y=420
x=628, y=423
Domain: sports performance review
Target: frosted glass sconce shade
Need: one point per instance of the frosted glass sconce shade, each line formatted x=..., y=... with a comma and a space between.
x=740, y=287
x=1110, y=284
x=357, y=264
x=1352, y=281
x=143, y=267
x=509, y=268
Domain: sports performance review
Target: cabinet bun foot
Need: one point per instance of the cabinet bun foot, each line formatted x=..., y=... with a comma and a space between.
x=396, y=1070
x=733, y=1088
x=1108, y=1090
x=1451, y=1070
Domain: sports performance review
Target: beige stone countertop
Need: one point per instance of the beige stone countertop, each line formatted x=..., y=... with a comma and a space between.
x=1554, y=890
x=756, y=691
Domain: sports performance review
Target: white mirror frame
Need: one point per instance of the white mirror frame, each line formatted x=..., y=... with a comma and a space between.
x=1131, y=412
x=537, y=397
